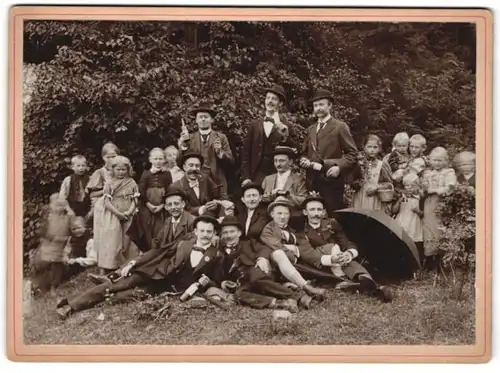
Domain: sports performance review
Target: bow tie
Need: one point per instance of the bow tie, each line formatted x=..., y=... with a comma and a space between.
x=269, y=119
x=200, y=249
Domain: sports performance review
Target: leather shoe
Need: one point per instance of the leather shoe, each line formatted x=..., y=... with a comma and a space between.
x=98, y=279
x=316, y=293
x=384, y=293
x=287, y=304
x=305, y=301
x=63, y=312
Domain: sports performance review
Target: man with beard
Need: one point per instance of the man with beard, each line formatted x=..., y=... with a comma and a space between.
x=203, y=195
x=333, y=252
x=253, y=217
x=281, y=247
x=212, y=145
x=328, y=153
x=252, y=286
x=262, y=137
x=192, y=260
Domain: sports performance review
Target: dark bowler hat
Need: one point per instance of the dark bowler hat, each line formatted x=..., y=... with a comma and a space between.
x=175, y=192
x=286, y=150
x=313, y=197
x=231, y=221
x=277, y=90
x=279, y=201
x=204, y=109
x=207, y=219
x=185, y=156
x=252, y=186
x=321, y=94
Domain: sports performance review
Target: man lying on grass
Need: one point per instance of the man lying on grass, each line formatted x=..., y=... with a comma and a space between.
x=194, y=260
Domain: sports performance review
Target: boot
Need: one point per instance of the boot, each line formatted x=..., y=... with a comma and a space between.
x=348, y=285
x=316, y=293
x=63, y=312
x=305, y=301
x=384, y=293
x=98, y=279
x=287, y=304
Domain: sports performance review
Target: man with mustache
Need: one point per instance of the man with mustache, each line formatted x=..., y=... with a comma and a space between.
x=240, y=273
x=328, y=153
x=281, y=247
x=203, y=195
x=262, y=137
x=212, y=145
x=180, y=266
x=253, y=217
x=328, y=249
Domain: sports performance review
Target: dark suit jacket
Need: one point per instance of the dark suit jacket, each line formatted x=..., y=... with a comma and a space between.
x=295, y=186
x=251, y=151
x=218, y=166
x=334, y=147
x=209, y=191
x=167, y=236
x=271, y=240
x=259, y=220
x=330, y=232
x=164, y=266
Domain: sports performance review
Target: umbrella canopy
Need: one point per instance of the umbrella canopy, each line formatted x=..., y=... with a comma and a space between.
x=381, y=239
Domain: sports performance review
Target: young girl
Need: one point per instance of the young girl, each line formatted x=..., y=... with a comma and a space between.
x=120, y=198
x=73, y=188
x=436, y=182
x=48, y=267
x=153, y=186
x=398, y=158
x=407, y=209
x=79, y=252
x=465, y=165
x=372, y=175
x=171, y=153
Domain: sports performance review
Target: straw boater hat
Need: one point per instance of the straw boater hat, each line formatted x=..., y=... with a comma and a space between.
x=207, y=219
x=313, y=197
x=277, y=90
x=291, y=152
x=252, y=186
x=231, y=221
x=185, y=156
x=321, y=94
x=279, y=201
x=204, y=109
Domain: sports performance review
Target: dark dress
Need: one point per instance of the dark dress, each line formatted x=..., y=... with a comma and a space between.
x=146, y=225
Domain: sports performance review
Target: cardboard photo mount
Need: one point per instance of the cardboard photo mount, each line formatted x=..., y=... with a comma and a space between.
x=477, y=353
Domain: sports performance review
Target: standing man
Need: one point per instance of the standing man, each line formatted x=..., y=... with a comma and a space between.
x=328, y=153
x=212, y=145
x=262, y=137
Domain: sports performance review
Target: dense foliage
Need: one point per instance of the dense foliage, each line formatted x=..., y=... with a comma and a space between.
x=131, y=82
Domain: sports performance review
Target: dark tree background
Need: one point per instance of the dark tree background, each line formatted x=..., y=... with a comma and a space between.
x=130, y=82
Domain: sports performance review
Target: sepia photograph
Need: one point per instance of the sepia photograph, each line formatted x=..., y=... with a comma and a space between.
x=250, y=181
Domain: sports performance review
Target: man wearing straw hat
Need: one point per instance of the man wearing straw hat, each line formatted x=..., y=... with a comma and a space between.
x=263, y=135
x=328, y=153
x=212, y=145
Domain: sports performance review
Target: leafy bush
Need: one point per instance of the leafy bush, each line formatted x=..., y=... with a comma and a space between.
x=131, y=82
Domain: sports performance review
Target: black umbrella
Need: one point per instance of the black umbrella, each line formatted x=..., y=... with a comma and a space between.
x=381, y=239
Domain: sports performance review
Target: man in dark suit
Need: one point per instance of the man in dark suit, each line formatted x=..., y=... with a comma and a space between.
x=192, y=260
x=328, y=153
x=263, y=135
x=212, y=145
x=328, y=249
x=253, y=287
x=203, y=195
x=253, y=216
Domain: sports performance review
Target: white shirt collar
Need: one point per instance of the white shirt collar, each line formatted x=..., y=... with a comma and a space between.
x=315, y=226
x=284, y=174
x=469, y=176
x=205, y=132
x=325, y=119
x=178, y=219
x=204, y=247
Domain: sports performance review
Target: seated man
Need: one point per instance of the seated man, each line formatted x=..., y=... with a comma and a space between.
x=203, y=195
x=192, y=260
x=284, y=182
x=256, y=289
x=281, y=247
x=329, y=249
x=253, y=217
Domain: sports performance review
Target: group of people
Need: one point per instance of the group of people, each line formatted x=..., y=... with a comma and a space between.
x=178, y=230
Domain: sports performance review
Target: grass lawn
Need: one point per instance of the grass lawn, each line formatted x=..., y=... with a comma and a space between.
x=420, y=314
